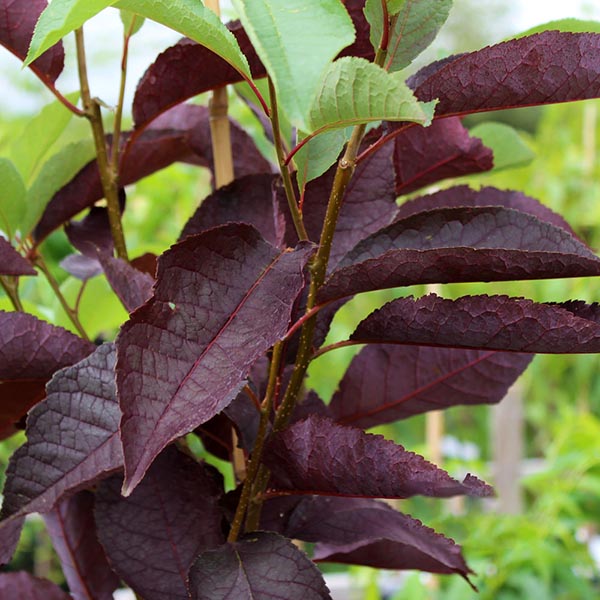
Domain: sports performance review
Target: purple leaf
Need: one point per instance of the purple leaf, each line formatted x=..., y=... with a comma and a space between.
x=185, y=70
x=81, y=266
x=425, y=155
x=17, y=21
x=181, y=134
x=131, y=286
x=30, y=352
x=544, y=68
x=387, y=383
x=24, y=585
x=490, y=322
x=222, y=299
x=72, y=438
x=368, y=532
x=459, y=245
x=464, y=196
x=10, y=533
x=153, y=537
x=251, y=199
x=363, y=531
x=73, y=532
x=11, y=262
x=318, y=456
x=92, y=234
x=260, y=565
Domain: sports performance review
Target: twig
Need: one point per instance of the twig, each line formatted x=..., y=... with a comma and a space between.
x=11, y=287
x=108, y=178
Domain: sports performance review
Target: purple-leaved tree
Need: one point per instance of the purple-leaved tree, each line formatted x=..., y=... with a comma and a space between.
x=224, y=324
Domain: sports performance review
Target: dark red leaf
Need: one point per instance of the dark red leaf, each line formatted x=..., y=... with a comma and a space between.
x=92, y=234
x=17, y=21
x=425, y=155
x=458, y=245
x=363, y=531
x=490, y=322
x=131, y=286
x=30, y=352
x=181, y=134
x=319, y=456
x=260, y=565
x=387, y=383
x=72, y=438
x=367, y=532
x=222, y=299
x=11, y=262
x=10, y=533
x=24, y=585
x=463, y=196
x=544, y=68
x=153, y=537
x=251, y=199
x=72, y=529
x=185, y=70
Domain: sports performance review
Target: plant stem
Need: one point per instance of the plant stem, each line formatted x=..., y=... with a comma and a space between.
x=11, y=287
x=108, y=178
x=71, y=313
x=255, y=459
x=336, y=346
x=284, y=169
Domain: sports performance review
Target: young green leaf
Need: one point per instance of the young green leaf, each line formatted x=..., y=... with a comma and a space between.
x=568, y=25
x=416, y=25
x=132, y=23
x=38, y=136
x=508, y=146
x=55, y=173
x=357, y=91
x=60, y=18
x=192, y=19
x=12, y=198
x=296, y=40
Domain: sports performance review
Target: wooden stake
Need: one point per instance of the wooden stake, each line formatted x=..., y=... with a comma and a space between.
x=219, y=126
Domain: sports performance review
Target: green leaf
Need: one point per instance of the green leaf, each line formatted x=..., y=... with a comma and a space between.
x=60, y=18
x=296, y=41
x=128, y=18
x=416, y=26
x=568, y=25
x=193, y=20
x=318, y=154
x=12, y=198
x=58, y=170
x=508, y=146
x=38, y=136
x=356, y=91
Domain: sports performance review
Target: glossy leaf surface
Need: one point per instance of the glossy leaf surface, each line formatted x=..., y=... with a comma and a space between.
x=73, y=532
x=491, y=322
x=222, y=298
x=459, y=245
x=72, y=437
x=426, y=155
x=318, y=456
x=544, y=68
x=415, y=379
x=152, y=537
x=260, y=565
